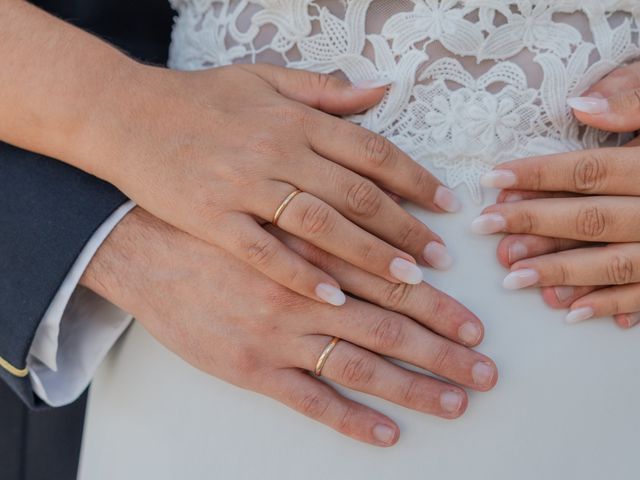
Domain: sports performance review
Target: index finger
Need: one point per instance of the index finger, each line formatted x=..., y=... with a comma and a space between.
x=606, y=171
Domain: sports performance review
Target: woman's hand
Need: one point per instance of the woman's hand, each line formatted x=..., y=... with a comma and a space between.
x=232, y=322
x=215, y=153
x=577, y=215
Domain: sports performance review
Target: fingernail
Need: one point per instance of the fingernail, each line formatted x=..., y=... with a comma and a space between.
x=488, y=224
x=482, y=374
x=580, y=315
x=372, y=83
x=564, y=293
x=451, y=401
x=591, y=105
x=446, y=199
x=469, y=333
x=521, y=279
x=633, y=319
x=499, y=179
x=384, y=433
x=513, y=198
x=331, y=294
x=438, y=256
x=406, y=271
x=517, y=251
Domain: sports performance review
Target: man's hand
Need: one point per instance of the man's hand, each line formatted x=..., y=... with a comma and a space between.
x=227, y=319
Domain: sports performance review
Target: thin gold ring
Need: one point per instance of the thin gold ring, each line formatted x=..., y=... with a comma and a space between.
x=285, y=203
x=325, y=355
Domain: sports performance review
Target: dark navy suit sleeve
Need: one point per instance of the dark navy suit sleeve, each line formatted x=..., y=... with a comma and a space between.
x=48, y=211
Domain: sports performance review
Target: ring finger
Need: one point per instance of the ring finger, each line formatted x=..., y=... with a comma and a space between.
x=364, y=371
x=619, y=300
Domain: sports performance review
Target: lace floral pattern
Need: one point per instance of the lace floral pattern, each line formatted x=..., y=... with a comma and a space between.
x=476, y=82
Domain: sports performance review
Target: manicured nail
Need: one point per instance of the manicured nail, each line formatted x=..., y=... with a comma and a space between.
x=591, y=105
x=437, y=256
x=517, y=251
x=406, y=271
x=469, y=333
x=580, y=315
x=384, y=433
x=521, y=279
x=446, y=199
x=513, y=198
x=633, y=319
x=331, y=295
x=482, y=374
x=564, y=293
x=499, y=179
x=371, y=83
x=451, y=401
x=489, y=224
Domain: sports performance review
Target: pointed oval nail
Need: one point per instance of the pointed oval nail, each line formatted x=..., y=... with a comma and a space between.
x=590, y=105
x=580, y=315
x=499, y=179
x=330, y=294
x=488, y=224
x=446, y=199
x=437, y=255
x=520, y=279
x=405, y=271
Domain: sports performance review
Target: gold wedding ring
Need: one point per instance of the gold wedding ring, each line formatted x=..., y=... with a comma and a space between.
x=325, y=355
x=285, y=203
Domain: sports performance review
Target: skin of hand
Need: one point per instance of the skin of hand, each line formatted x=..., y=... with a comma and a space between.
x=227, y=319
x=574, y=219
x=216, y=152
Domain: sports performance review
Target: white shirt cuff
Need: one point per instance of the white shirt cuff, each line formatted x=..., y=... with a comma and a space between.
x=77, y=331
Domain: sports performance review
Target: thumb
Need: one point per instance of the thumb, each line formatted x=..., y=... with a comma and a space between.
x=321, y=91
x=612, y=104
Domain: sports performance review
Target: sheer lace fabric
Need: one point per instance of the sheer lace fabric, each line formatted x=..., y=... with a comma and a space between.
x=476, y=82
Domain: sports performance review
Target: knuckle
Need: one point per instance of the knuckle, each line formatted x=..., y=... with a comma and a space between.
x=396, y=295
x=411, y=392
x=347, y=419
x=626, y=102
x=387, y=334
x=620, y=270
x=314, y=405
x=378, y=151
x=317, y=219
x=367, y=251
x=322, y=81
x=591, y=222
x=264, y=146
x=589, y=173
x=423, y=181
x=527, y=222
x=364, y=199
x=357, y=371
x=442, y=357
x=261, y=252
x=562, y=274
x=409, y=233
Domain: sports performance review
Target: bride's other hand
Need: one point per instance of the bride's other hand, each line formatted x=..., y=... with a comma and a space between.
x=232, y=322
x=217, y=152
x=576, y=215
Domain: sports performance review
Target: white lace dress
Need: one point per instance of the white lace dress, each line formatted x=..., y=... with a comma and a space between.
x=476, y=83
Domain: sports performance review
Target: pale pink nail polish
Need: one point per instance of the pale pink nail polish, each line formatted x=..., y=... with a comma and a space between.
x=370, y=84
x=564, y=293
x=578, y=315
x=590, y=105
x=521, y=279
x=489, y=224
x=446, y=199
x=405, y=271
x=633, y=319
x=331, y=295
x=513, y=198
x=451, y=401
x=517, y=251
x=499, y=179
x=437, y=255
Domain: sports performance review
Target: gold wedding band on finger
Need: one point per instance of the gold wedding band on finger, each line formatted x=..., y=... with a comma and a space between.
x=283, y=206
x=325, y=355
